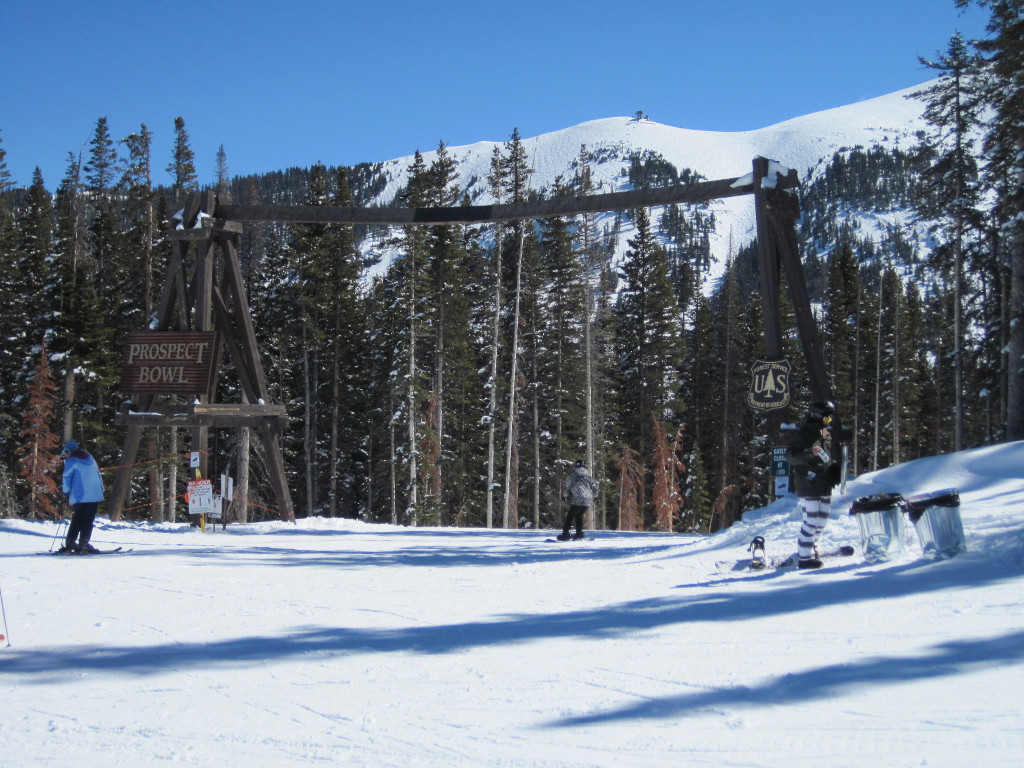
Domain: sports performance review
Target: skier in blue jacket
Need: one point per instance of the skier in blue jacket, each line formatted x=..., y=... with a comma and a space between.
x=83, y=486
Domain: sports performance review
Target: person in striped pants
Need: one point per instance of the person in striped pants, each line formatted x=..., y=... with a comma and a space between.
x=815, y=470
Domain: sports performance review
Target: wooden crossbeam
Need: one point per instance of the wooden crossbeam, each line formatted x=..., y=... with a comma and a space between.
x=537, y=209
x=203, y=415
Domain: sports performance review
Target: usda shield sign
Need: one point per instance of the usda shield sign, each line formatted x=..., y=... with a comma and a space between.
x=769, y=385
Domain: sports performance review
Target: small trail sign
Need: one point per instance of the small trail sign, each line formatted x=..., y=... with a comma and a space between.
x=200, y=497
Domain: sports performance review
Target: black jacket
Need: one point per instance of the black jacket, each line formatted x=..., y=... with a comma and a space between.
x=812, y=476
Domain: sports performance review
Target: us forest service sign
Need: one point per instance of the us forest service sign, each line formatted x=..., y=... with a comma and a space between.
x=769, y=386
x=168, y=362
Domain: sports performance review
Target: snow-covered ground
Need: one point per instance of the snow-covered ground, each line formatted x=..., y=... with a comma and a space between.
x=330, y=642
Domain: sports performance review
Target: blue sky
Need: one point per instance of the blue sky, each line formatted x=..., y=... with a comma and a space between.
x=348, y=81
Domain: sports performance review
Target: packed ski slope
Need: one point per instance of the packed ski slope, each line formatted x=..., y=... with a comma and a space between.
x=340, y=643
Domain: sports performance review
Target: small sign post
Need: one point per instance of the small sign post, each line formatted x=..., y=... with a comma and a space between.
x=200, y=499
x=780, y=470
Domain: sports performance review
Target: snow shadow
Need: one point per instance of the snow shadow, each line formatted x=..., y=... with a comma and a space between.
x=943, y=660
x=619, y=620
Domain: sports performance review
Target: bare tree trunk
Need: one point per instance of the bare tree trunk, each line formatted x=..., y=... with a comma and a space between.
x=536, y=435
x=413, y=504
x=878, y=378
x=307, y=426
x=332, y=465
x=241, y=501
x=896, y=383
x=1015, y=373
x=172, y=476
x=393, y=475
x=855, y=448
x=492, y=404
x=510, y=515
x=155, y=477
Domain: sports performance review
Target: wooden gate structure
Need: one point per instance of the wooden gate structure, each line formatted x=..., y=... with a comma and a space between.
x=212, y=297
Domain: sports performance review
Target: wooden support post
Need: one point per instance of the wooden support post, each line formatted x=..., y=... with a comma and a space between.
x=768, y=261
x=810, y=340
x=200, y=305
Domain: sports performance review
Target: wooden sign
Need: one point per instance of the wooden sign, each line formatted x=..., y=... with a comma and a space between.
x=168, y=362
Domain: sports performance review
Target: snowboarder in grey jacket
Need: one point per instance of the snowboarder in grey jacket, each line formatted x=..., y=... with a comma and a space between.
x=580, y=491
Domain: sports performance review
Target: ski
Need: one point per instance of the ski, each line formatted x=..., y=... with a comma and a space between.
x=87, y=554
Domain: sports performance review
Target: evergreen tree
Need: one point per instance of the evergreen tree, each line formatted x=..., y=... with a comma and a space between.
x=349, y=375
x=732, y=412
x=10, y=293
x=703, y=389
x=105, y=269
x=140, y=225
x=1004, y=174
x=630, y=489
x=647, y=341
x=562, y=375
x=666, y=467
x=326, y=336
x=38, y=463
x=223, y=185
x=841, y=336
x=411, y=273
x=445, y=339
x=950, y=192
x=182, y=167
x=35, y=231
x=697, y=496
x=34, y=304
x=495, y=182
x=516, y=187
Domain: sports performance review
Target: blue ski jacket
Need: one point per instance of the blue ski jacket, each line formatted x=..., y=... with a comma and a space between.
x=82, y=480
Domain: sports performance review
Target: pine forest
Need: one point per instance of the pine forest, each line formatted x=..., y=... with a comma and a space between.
x=451, y=375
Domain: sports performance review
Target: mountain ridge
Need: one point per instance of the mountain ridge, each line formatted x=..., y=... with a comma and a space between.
x=804, y=143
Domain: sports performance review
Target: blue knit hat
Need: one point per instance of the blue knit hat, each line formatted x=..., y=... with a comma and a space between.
x=70, y=446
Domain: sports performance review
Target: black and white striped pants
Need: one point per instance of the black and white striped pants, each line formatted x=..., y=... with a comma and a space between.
x=815, y=509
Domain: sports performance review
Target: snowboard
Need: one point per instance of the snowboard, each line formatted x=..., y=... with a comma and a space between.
x=790, y=562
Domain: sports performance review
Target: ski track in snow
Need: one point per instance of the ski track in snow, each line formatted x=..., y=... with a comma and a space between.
x=338, y=642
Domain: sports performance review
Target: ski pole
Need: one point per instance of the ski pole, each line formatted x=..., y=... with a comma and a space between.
x=7, y=634
x=58, y=535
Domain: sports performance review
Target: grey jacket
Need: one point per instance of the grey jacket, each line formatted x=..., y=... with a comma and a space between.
x=580, y=488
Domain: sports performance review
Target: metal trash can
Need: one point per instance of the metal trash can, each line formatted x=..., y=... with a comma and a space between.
x=883, y=532
x=936, y=518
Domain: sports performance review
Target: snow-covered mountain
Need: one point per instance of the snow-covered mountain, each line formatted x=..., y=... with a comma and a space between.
x=804, y=143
